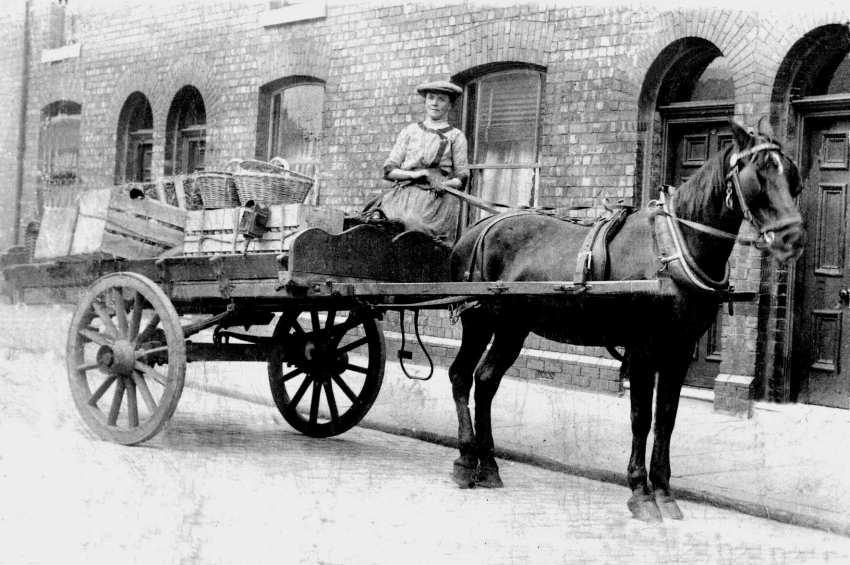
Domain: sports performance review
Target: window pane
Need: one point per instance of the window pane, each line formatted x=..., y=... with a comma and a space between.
x=299, y=127
x=60, y=146
x=503, y=122
x=275, y=126
x=506, y=118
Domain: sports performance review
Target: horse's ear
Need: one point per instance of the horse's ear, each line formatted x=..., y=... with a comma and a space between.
x=765, y=129
x=742, y=136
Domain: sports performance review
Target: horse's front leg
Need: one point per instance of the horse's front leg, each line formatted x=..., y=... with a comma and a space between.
x=476, y=336
x=671, y=375
x=505, y=349
x=640, y=371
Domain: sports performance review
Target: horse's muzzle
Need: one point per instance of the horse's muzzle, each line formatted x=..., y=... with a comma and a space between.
x=786, y=244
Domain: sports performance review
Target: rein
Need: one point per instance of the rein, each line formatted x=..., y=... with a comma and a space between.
x=733, y=185
x=686, y=267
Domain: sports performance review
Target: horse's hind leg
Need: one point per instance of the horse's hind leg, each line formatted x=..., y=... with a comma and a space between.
x=477, y=331
x=641, y=374
x=505, y=349
x=670, y=378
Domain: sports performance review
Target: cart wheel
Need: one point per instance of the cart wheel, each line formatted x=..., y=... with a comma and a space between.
x=340, y=358
x=126, y=342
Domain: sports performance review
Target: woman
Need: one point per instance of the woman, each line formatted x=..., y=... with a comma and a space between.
x=427, y=157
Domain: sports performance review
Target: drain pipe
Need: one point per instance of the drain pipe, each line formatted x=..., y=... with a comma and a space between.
x=22, y=124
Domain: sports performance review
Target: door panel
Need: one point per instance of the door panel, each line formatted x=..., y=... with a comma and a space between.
x=689, y=146
x=821, y=332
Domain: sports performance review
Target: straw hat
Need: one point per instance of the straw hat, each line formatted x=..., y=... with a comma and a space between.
x=442, y=86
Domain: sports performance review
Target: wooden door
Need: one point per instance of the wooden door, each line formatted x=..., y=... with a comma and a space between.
x=689, y=145
x=821, y=351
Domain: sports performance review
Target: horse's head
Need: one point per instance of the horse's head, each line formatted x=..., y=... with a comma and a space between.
x=766, y=183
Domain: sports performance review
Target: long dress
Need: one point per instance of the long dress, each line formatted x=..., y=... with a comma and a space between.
x=435, y=146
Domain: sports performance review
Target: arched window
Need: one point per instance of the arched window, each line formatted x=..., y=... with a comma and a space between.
x=135, y=140
x=289, y=124
x=501, y=120
x=59, y=143
x=185, y=133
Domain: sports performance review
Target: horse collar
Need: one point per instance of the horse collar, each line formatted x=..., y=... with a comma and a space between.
x=675, y=255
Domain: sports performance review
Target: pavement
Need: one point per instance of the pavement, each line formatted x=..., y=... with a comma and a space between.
x=787, y=463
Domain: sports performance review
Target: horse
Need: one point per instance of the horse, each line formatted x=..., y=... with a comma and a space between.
x=750, y=179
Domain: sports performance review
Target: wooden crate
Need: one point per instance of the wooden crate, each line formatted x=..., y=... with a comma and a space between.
x=111, y=223
x=56, y=232
x=216, y=231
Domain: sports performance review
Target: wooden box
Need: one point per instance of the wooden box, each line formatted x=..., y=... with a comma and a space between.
x=56, y=232
x=113, y=224
x=217, y=231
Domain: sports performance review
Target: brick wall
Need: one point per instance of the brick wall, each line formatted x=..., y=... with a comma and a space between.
x=11, y=71
x=602, y=68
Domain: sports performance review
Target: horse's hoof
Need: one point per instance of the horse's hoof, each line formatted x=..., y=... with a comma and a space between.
x=668, y=506
x=644, y=508
x=488, y=476
x=463, y=472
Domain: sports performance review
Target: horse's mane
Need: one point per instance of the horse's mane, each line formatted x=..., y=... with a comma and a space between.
x=694, y=195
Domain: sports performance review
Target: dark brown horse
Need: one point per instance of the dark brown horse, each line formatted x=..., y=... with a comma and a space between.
x=751, y=179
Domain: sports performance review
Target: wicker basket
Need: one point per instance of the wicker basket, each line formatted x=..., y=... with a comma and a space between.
x=216, y=188
x=269, y=183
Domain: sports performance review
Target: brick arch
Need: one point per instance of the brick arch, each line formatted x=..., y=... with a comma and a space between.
x=802, y=58
x=71, y=90
x=523, y=41
x=180, y=73
x=187, y=72
x=289, y=58
x=730, y=32
x=144, y=82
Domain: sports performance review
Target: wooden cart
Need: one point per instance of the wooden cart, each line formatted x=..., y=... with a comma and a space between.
x=137, y=323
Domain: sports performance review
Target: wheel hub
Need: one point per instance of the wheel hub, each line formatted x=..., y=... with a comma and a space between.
x=118, y=358
x=322, y=358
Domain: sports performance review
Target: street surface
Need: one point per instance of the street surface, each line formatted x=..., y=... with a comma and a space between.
x=229, y=482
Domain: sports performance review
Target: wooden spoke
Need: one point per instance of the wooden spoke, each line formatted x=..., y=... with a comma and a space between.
x=142, y=386
x=350, y=323
x=136, y=316
x=132, y=407
x=101, y=390
x=121, y=311
x=145, y=352
x=329, y=321
x=329, y=394
x=115, y=408
x=95, y=336
x=150, y=373
x=149, y=329
x=106, y=319
x=87, y=366
x=126, y=407
x=314, y=405
x=300, y=392
x=346, y=405
x=296, y=328
x=291, y=374
x=353, y=345
x=346, y=389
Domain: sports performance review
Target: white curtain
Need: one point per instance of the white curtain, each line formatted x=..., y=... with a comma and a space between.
x=506, y=124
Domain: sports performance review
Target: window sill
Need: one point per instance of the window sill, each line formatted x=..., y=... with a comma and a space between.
x=293, y=13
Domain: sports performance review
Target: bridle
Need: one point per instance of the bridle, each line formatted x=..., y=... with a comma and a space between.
x=733, y=184
x=681, y=260
x=767, y=233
